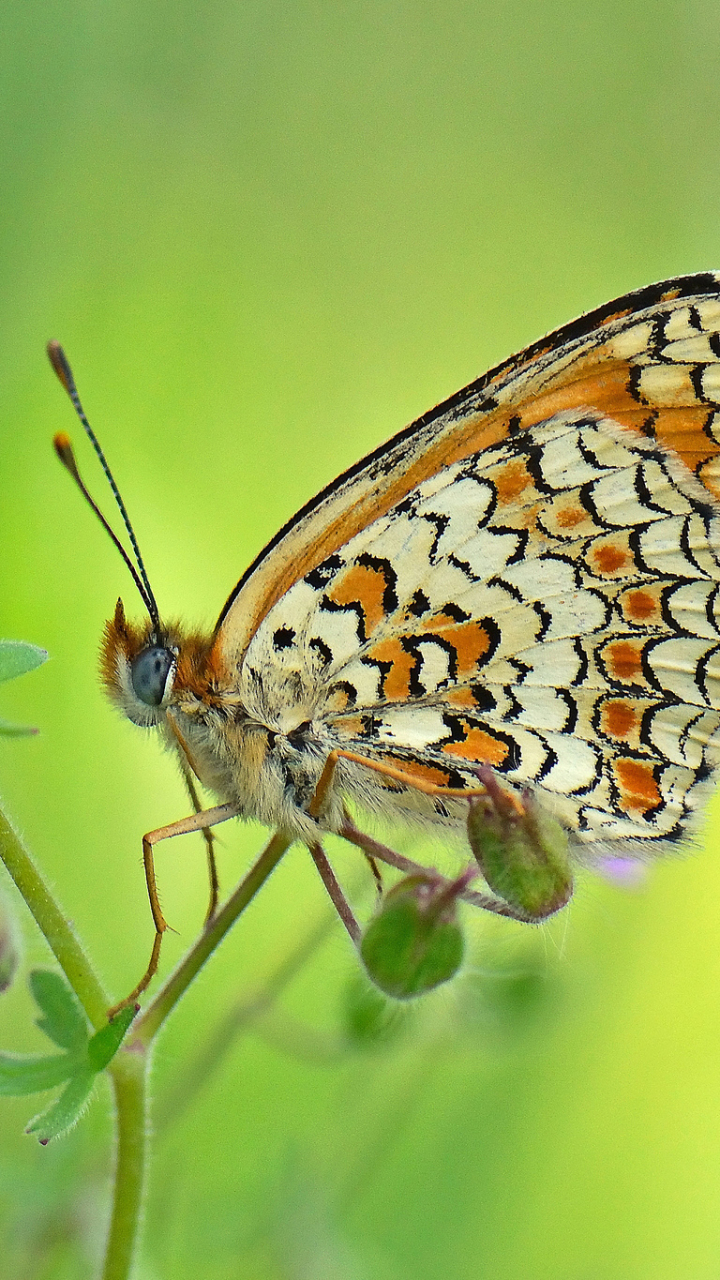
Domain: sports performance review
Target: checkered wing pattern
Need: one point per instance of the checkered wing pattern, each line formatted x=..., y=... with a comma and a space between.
x=527, y=577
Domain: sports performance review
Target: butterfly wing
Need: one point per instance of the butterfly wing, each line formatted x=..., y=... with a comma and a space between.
x=527, y=577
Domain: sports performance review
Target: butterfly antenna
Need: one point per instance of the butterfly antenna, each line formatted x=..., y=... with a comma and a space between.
x=66, y=454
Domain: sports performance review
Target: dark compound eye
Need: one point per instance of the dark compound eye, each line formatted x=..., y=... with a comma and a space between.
x=149, y=673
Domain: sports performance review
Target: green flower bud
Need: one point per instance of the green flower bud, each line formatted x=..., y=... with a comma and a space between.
x=522, y=852
x=414, y=942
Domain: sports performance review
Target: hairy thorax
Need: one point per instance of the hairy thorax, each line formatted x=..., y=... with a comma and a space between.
x=262, y=747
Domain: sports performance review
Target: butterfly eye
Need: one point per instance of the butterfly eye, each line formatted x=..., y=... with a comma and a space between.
x=149, y=673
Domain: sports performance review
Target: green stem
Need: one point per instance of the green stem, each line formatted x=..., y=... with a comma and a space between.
x=129, y=1072
x=58, y=932
x=149, y=1023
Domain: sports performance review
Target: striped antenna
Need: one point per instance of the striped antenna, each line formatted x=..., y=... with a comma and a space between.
x=65, y=453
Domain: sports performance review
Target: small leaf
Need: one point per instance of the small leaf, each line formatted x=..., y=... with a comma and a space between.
x=414, y=943
x=32, y=1073
x=62, y=1114
x=106, y=1042
x=17, y=657
x=64, y=1020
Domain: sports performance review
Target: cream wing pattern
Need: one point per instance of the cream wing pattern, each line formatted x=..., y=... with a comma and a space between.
x=528, y=577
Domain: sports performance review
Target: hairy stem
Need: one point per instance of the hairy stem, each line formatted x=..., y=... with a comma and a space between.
x=129, y=1073
x=57, y=930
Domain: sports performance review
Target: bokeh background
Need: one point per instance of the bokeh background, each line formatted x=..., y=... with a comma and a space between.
x=269, y=235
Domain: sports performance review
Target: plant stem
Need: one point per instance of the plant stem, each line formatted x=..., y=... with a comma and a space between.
x=59, y=934
x=129, y=1073
x=149, y=1022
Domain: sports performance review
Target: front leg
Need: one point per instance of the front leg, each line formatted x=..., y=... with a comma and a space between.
x=196, y=822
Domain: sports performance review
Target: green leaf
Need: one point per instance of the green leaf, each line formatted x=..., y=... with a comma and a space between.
x=17, y=657
x=106, y=1042
x=64, y=1021
x=32, y=1073
x=66, y=1110
x=414, y=943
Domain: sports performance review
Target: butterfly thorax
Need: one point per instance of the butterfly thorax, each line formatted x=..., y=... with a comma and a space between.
x=263, y=751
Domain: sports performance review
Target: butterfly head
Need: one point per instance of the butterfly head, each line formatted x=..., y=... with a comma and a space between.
x=138, y=666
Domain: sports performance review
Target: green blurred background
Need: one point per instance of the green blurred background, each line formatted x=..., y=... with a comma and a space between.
x=269, y=235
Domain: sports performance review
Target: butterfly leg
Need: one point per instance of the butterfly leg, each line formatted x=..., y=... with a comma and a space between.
x=189, y=772
x=388, y=771
x=209, y=850
x=335, y=893
x=196, y=822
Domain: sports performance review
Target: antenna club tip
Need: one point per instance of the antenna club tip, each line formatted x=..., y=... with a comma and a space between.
x=64, y=450
x=59, y=362
x=62, y=445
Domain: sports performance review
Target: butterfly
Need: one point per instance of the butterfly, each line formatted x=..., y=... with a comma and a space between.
x=525, y=578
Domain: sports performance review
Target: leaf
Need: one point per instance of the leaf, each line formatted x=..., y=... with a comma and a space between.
x=32, y=1073
x=64, y=1020
x=66, y=1110
x=17, y=657
x=105, y=1043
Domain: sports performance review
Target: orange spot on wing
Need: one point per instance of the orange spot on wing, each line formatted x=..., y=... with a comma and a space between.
x=396, y=684
x=479, y=746
x=608, y=558
x=510, y=481
x=682, y=430
x=470, y=641
x=641, y=605
x=638, y=789
x=618, y=718
x=623, y=659
x=364, y=585
x=570, y=517
x=461, y=698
